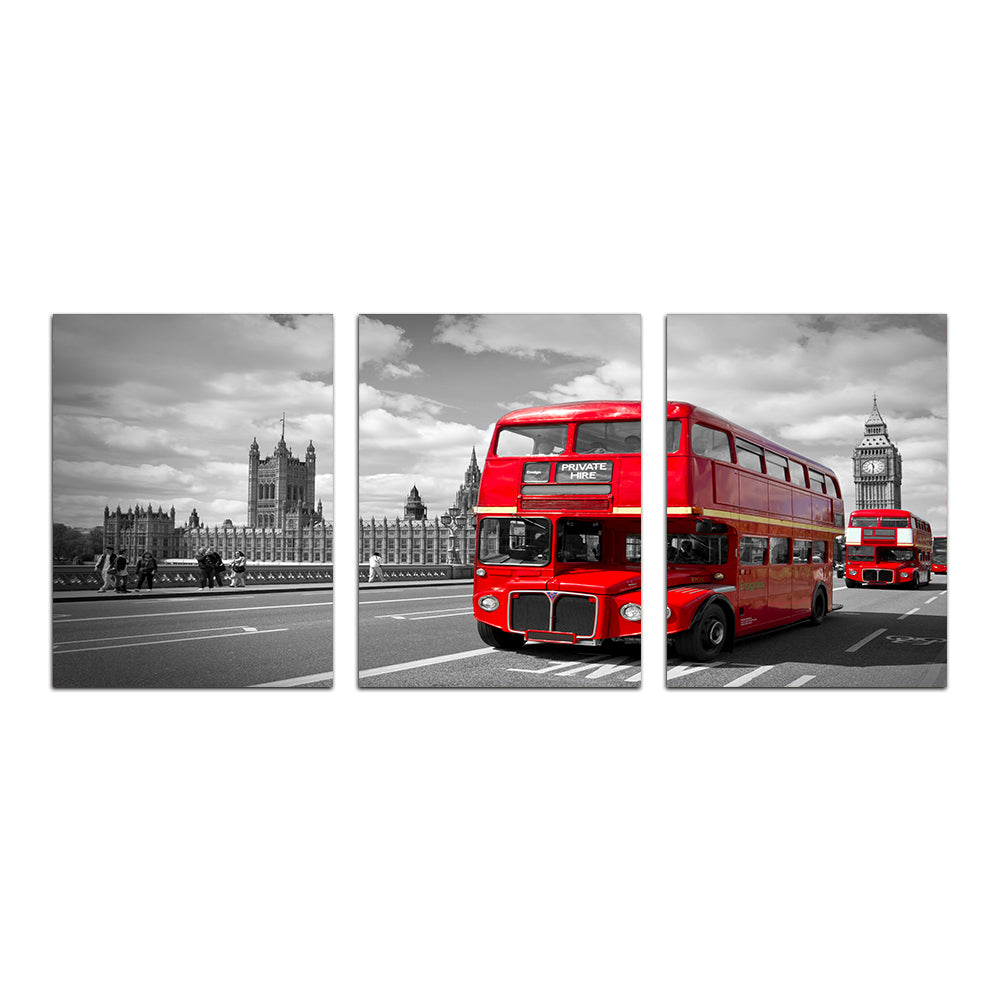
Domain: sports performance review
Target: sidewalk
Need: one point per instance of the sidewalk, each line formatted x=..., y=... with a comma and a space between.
x=60, y=596
x=391, y=584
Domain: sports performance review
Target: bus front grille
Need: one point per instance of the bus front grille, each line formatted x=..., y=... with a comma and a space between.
x=575, y=614
x=529, y=612
x=877, y=575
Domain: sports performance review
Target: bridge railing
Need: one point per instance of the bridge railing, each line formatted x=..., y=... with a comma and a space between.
x=188, y=575
x=419, y=571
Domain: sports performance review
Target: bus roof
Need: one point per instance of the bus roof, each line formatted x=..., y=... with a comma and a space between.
x=885, y=512
x=680, y=409
x=590, y=409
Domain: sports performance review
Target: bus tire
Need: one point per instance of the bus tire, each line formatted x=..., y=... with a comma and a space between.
x=818, y=607
x=497, y=638
x=706, y=638
x=852, y=584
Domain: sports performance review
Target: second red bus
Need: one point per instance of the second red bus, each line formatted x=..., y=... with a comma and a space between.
x=888, y=547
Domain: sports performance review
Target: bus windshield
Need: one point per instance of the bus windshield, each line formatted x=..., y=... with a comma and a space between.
x=515, y=540
x=940, y=547
x=615, y=437
x=579, y=541
x=698, y=550
x=547, y=439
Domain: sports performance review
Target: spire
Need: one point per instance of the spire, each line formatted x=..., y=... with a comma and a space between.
x=282, y=425
x=875, y=417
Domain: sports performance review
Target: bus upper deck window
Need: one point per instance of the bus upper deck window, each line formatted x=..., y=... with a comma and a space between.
x=817, y=481
x=673, y=436
x=547, y=439
x=611, y=437
x=711, y=443
x=798, y=473
x=777, y=466
x=750, y=456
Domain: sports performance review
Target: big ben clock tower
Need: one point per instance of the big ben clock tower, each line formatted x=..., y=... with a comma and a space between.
x=878, y=466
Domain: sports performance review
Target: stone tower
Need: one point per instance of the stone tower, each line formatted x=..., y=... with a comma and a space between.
x=279, y=483
x=468, y=492
x=878, y=466
x=414, y=509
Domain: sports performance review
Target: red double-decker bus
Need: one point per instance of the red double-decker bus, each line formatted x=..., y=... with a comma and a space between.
x=750, y=533
x=558, y=531
x=886, y=546
x=939, y=554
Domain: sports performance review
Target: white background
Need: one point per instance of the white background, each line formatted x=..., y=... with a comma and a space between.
x=526, y=157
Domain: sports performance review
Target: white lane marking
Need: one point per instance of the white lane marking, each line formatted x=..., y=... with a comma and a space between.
x=592, y=661
x=205, y=611
x=151, y=635
x=635, y=678
x=867, y=638
x=608, y=668
x=296, y=681
x=747, y=678
x=407, y=600
x=800, y=681
x=160, y=642
x=423, y=611
x=415, y=664
x=907, y=614
x=556, y=665
x=934, y=598
x=683, y=669
x=427, y=618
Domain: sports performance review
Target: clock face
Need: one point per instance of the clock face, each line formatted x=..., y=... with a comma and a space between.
x=873, y=466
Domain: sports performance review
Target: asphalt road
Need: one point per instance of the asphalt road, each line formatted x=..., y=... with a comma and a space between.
x=216, y=639
x=426, y=637
x=881, y=638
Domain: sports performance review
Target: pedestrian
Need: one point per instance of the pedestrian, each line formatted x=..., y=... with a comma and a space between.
x=106, y=567
x=121, y=573
x=375, y=568
x=205, y=568
x=218, y=567
x=239, y=568
x=145, y=569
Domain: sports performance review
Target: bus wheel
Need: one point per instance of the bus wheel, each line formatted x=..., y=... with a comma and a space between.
x=497, y=638
x=852, y=584
x=706, y=639
x=819, y=608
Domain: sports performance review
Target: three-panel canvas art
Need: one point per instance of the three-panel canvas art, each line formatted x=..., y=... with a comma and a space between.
x=498, y=540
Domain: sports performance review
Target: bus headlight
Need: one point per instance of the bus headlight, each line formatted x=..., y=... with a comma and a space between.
x=904, y=576
x=488, y=602
x=631, y=612
x=480, y=571
x=853, y=572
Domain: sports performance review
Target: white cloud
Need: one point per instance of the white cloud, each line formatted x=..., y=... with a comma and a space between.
x=384, y=347
x=602, y=338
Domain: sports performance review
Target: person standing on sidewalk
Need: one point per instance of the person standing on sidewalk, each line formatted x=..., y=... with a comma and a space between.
x=205, y=568
x=145, y=569
x=218, y=567
x=121, y=573
x=106, y=567
x=239, y=568
x=375, y=568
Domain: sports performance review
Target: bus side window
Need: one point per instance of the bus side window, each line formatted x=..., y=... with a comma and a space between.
x=817, y=481
x=711, y=443
x=819, y=552
x=752, y=550
x=633, y=548
x=801, y=551
x=750, y=456
x=779, y=551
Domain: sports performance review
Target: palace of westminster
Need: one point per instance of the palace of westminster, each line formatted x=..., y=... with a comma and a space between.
x=285, y=522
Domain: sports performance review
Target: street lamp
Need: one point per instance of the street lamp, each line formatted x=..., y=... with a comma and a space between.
x=454, y=522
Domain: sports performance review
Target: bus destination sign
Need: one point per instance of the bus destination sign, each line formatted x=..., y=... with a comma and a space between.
x=584, y=472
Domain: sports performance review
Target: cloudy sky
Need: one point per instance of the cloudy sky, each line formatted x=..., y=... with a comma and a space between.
x=807, y=382
x=432, y=387
x=162, y=409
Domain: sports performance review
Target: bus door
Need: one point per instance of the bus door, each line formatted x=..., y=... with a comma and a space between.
x=751, y=590
x=779, y=580
x=803, y=574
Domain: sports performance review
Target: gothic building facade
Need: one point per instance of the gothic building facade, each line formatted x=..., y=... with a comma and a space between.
x=878, y=466
x=284, y=521
x=416, y=539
